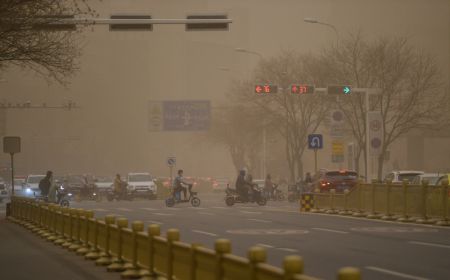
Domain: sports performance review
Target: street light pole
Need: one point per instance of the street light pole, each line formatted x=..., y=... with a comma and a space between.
x=264, y=119
x=315, y=21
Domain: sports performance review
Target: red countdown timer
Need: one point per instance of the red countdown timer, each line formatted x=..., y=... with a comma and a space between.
x=302, y=89
x=265, y=89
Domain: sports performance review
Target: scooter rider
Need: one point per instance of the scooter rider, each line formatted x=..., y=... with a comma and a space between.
x=179, y=185
x=241, y=185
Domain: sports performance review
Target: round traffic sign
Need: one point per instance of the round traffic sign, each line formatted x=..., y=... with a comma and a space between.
x=267, y=231
x=375, y=143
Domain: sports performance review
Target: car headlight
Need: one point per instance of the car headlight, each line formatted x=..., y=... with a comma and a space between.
x=69, y=194
x=28, y=190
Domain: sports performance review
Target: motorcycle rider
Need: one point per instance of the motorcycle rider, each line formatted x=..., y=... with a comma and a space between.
x=119, y=186
x=179, y=186
x=46, y=183
x=241, y=185
x=269, y=187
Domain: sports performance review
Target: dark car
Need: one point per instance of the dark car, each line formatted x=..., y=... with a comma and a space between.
x=339, y=180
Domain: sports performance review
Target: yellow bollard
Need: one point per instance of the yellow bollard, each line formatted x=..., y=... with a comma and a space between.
x=72, y=222
x=48, y=222
x=373, y=213
x=84, y=249
x=388, y=216
x=193, y=274
x=345, y=212
x=104, y=258
x=62, y=238
x=56, y=209
x=221, y=246
x=118, y=264
x=405, y=218
x=445, y=196
x=172, y=236
x=424, y=195
x=152, y=231
x=292, y=265
x=332, y=210
x=359, y=212
x=256, y=255
x=76, y=244
x=133, y=270
x=349, y=273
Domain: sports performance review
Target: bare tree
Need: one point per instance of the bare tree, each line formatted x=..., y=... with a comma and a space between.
x=411, y=92
x=236, y=127
x=292, y=116
x=27, y=41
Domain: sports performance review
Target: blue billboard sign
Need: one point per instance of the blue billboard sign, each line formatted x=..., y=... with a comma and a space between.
x=189, y=115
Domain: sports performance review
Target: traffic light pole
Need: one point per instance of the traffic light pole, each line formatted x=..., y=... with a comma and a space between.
x=315, y=161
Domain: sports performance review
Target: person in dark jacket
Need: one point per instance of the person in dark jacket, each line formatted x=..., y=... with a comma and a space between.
x=241, y=185
x=45, y=183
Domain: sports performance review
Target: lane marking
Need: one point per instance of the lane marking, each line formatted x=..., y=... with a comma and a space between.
x=373, y=221
x=206, y=213
x=199, y=208
x=259, y=220
x=149, y=209
x=163, y=214
x=124, y=209
x=288, y=250
x=204, y=232
x=430, y=244
x=155, y=222
x=264, y=245
x=220, y=207
x=330, y=230
x=395, y=273
x=250, y=212
x=100, y=210
x=173, y=209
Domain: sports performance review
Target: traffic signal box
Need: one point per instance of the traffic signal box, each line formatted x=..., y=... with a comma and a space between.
x=302, y=89
x=265, y=89
x=339, y=90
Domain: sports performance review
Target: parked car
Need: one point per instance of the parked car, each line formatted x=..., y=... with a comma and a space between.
x=432, y=178
x=4, y=192
x=142, y=184
x=339, y=180
x=31, y=185
x=397, y=177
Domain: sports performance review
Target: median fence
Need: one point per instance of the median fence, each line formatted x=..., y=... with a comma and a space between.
x=137, y=253
x=401, y=202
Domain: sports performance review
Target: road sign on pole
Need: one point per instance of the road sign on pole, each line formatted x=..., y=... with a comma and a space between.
x=11, y=145
x=315, y=142
x=171, y=161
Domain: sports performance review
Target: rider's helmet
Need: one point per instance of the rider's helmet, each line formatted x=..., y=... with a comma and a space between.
x=180, y=171
x=242, y=172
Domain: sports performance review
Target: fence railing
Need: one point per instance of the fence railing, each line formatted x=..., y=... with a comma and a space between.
x=404, y=202
x=137, y=253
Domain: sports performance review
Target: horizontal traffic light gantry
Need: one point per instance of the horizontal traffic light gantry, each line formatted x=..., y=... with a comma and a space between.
x=265, y=89
x=302, y=89
x=339, y=90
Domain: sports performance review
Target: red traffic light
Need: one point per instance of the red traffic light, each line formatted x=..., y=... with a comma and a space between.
x=265, y=89
x=302, y=89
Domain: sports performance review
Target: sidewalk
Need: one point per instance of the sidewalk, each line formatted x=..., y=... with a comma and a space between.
x=24, y=256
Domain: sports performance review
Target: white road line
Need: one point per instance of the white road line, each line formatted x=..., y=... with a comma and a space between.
x=250, y=212
x=395, y=273
x=288, y=250
x=199, y=208
x=124, y=209
x=100, y=210
x=265, y=245
x=220, y=207
x=330, y=230
x=206, y=213
x=173, y=209
x=163, y=214
x=155, y=222
x=149, y=209
x=204, y=232
x=260, y=221
x=430, y=244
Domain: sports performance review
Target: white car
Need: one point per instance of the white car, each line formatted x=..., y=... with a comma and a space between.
x=142, y=184
x=397, y=177
x=31, y=185
x=4, y=193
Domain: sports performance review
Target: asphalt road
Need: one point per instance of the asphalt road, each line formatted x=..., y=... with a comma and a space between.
x=383, y=250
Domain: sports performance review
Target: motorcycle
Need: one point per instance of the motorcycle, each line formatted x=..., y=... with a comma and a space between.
x=62, y=197
x=124, y=195
x=256, y=195
x=276, y=195
x=175, y=198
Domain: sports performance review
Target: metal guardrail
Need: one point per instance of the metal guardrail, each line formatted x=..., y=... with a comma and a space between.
x=146, y=254
x=405, y=203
